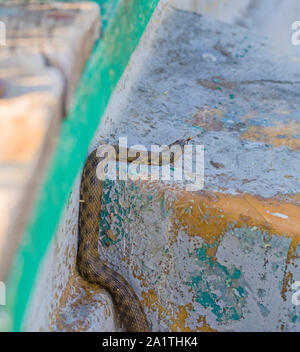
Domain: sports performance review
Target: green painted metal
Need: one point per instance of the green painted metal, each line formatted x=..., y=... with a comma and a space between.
x=125, y=22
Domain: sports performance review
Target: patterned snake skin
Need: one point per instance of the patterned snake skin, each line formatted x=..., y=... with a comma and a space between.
x=89, y=264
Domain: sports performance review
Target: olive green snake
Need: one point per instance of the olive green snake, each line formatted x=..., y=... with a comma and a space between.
x=89, y=264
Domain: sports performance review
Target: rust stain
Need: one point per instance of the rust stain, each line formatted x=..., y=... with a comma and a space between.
x=288, y=276
x=205, y=327
x=208, y=215
x=216, y=83
x=140, y=277
x=179, y=323
x=178, y=320
x=151, y=301
x=277, y=135
x=111, y=235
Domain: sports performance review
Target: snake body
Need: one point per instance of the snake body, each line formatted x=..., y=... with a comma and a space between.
x=89, y=264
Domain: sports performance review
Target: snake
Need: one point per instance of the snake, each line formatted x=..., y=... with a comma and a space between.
x=88, y=262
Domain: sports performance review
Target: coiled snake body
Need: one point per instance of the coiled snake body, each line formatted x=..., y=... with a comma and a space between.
x=89, y=264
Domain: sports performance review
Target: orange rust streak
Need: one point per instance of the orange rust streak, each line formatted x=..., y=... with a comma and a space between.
x=288, y=276
x=208, y=214
x=204, y=327
x=272, y=135
x=150, y=300
x=178, y=320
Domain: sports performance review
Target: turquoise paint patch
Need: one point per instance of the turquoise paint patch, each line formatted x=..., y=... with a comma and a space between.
x=116, y=193
x=264, y=310
x=218, y=287
x=236, y=274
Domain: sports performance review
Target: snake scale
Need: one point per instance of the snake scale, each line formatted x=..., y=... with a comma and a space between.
x=89, y=264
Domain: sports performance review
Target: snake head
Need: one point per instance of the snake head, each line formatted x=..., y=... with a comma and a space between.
x=189, y=139
x=182, y=142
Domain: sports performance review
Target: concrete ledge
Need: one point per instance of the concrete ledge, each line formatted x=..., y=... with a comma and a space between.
x=46, y=48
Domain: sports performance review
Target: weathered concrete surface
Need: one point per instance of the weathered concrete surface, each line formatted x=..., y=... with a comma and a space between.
x=224, y=258
x=46, y=48
x=222, y=10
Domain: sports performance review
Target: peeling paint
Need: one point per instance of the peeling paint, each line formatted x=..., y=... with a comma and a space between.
x=278, y=135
